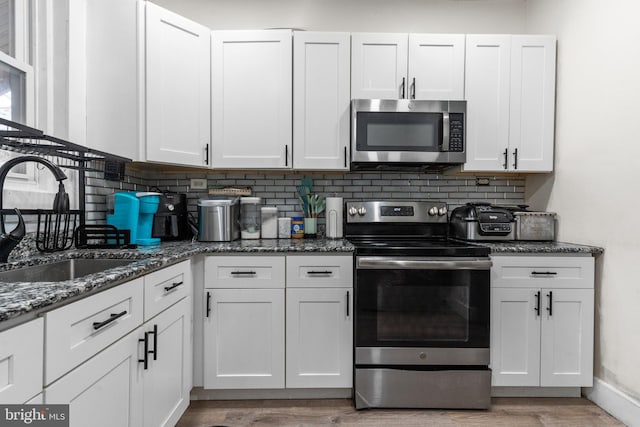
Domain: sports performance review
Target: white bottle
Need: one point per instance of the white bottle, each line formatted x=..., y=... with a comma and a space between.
x=269, y=227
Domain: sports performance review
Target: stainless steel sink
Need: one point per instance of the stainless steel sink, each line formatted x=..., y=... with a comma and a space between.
x=61, y=270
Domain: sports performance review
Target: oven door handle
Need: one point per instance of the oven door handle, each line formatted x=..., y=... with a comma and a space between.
x=409, y=263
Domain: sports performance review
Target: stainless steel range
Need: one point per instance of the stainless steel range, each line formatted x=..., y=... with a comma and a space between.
x=421, y=309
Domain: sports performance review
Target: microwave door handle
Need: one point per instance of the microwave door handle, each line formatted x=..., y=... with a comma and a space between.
x=445, y=131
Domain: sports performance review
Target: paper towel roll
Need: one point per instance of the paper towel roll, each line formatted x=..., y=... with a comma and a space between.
x=334, y=217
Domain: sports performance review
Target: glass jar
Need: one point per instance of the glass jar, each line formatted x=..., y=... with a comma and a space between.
x=250, y=217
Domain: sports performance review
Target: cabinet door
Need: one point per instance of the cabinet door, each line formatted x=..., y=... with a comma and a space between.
x=531, y=121
x=178, y=92
x=487, y=84
x=105, y=391
x=321, y=100
x=436, y=66
x=567, y=338
x=167, y=381
x=21, y=362
x=379, y=66
x=319, y=338
x=244, y=339
x=515, y=337
x=251, y=99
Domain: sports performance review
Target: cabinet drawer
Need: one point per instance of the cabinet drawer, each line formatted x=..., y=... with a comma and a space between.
x=542, y=271
x=319, y=271
x=165, y=287
x=244, y=272
x=79, y=330
x=21, y=359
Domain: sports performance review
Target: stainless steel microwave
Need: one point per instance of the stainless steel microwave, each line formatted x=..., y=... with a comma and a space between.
x=409, y=132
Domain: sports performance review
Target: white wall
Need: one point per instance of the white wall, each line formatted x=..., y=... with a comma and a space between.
x=595, y=185
x=447, y=16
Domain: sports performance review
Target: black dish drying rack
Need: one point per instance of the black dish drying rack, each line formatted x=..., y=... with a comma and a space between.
x=57, y=231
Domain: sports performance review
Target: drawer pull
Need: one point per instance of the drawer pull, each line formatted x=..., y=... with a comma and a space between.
x=348, y=303
x=155, y=342
x=243, y=273
x=543, y=273
x=173, y=286
x=319, y=272
x=112, y=317
x=145, y=360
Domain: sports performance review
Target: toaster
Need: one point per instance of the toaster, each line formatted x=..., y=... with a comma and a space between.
x=539, y=226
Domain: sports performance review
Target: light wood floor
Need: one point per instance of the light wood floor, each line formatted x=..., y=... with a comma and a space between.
x=517, y=412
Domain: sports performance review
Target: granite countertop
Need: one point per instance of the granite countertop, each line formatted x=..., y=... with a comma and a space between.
x=541, y=248
x=23, y=301
x=20, y=302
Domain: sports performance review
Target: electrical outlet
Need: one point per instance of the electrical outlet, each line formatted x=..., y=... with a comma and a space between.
x=482, y=181
x=198, y=184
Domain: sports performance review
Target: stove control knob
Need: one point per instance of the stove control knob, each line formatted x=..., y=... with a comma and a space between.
x=442, y=211
x=352, y=211
x=433, y=211
x=362, y=211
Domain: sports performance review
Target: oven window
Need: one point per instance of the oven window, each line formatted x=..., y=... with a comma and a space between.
x=399, y=131
x=422, y=308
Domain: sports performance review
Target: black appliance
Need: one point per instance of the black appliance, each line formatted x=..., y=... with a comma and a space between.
x=422, y=309
x=482, y=221
x=171, y=220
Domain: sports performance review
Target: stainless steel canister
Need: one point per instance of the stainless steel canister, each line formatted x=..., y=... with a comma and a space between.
x=218, y=219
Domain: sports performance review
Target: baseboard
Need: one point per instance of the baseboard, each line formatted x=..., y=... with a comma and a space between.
x=535, y=391
x=199, y=393
x=615, y=402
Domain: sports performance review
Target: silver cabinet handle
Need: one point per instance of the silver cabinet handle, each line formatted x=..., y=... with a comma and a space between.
x=389, y=263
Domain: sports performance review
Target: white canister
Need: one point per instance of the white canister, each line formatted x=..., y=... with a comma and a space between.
x=284, y=228
x=269, y=227
x=334, y=217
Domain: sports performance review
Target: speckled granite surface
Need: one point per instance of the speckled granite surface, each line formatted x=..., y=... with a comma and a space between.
x=541, y=248
x=26, y=300
x=20, y=302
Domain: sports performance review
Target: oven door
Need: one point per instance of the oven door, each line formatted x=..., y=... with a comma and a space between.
x=409, y=302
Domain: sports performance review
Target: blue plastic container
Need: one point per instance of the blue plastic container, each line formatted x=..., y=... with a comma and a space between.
x=149, y=203
x=126, y=208
x=134, y=212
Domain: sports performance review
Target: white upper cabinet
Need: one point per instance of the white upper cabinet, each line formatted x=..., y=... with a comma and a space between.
x=178, y=92
x=436, y=66
x=414, y=66
x=532, y=112
x=378, y=66
x=321, y=100
x=147, y=82
x=251, y=99
x=510, y=93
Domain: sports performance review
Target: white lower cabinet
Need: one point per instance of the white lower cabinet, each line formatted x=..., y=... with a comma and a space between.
x=106, y=390
x=319, y=338
x=542, y=321
x=246, y=338
x=21, y=360
x=167, y=379
x=142, y=379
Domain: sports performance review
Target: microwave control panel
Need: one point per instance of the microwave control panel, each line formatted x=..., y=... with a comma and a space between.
x=456, y=132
